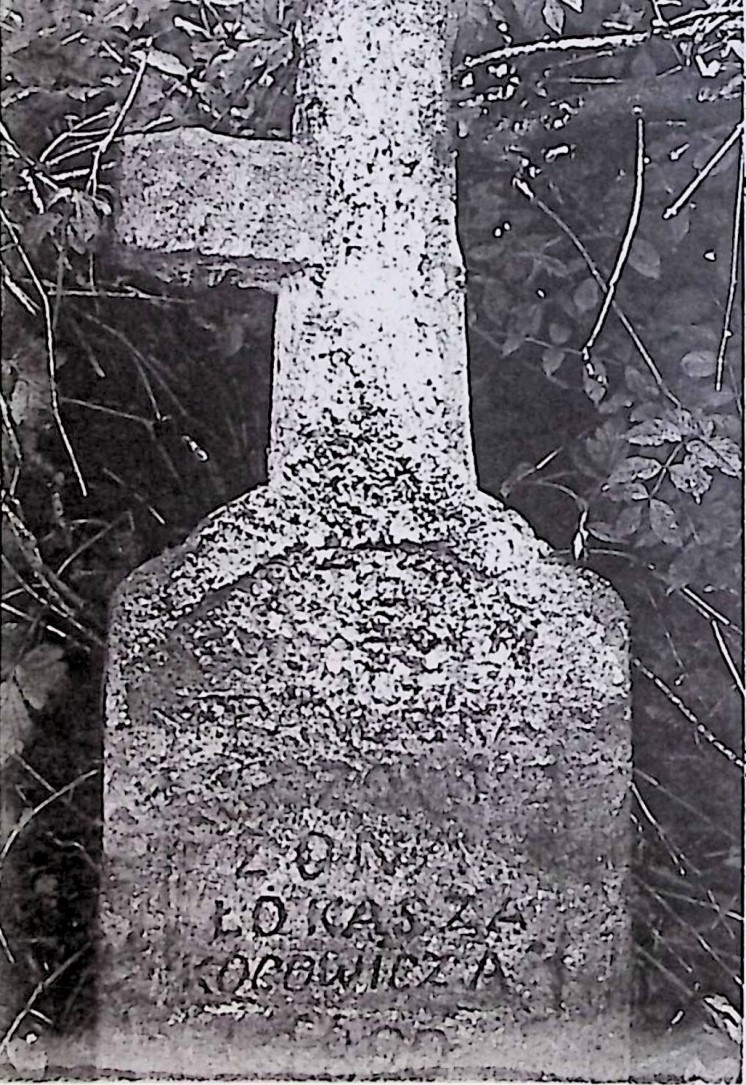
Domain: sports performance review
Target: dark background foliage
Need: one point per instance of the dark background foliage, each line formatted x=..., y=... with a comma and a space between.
x=131, y=408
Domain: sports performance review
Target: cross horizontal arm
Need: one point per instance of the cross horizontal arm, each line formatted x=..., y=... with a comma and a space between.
x=208, y=199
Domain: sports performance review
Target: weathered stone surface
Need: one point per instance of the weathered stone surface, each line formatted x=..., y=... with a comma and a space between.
x=367, y=787
x=269, y=198
x=368, y=748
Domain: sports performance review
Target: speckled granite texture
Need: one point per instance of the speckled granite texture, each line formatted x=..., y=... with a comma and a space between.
x=369, y=789
x=367, y=750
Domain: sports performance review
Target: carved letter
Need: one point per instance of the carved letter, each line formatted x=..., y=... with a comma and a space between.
x=270, y=961
x=218, y=930
x=414, y=961
x=306, y=963
x=313, y=855
x=269, y=916
x=243, y=974
x=488, y=968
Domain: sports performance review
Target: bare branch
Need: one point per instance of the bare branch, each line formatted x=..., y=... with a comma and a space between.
x=587, y=43
x=732, y=278
x=108, y=139
x=41, y=987
x=525, y=190
x=632, y=223
x=51, y=360
x=24, y=821
x=728, y=658
x=691, y=188
x=687, y=713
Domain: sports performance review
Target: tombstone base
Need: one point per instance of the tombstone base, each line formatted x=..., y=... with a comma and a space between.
x=366, y=812
x=595, y=1050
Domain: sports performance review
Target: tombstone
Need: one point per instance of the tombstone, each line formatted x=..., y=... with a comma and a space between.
x=367, y=746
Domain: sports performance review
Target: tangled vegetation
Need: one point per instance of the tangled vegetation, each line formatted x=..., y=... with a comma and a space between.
x=600, y=217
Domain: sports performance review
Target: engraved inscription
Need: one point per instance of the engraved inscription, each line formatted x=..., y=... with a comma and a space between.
x=354, y=946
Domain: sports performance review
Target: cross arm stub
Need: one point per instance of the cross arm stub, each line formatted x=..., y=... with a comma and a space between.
x=197, y=204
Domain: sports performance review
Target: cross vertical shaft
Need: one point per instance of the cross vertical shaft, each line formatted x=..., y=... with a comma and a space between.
x=370, y=363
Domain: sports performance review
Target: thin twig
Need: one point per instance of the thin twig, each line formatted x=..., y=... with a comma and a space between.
x=686, y=805
x=141, y=364
x=57, y=606
x=21, y=825
x=6, y=946
x=670, y=976
x=728, y=658
x=626, y=244
x=691, y=930
x=30, y=549
x=19, y=293
x=9, y=424
x=701, y=13
x=691, y=188
x=67, y=800
x=106, y=142
x=138, y=496
x=644, y=353
x=88, y=543
x=73, y=845
x=74, y=132
x=41, y=987
x=674, y=855
x=687, y=713
x=559, y=45
x=32, y=619
x=147, y=422
x=586, y=43
x=51, y=360
x=721, y=912
x=131, y=293
x=732, y=278
x=709, y=611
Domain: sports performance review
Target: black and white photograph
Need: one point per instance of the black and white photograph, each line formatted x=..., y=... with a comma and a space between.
x=372, y=566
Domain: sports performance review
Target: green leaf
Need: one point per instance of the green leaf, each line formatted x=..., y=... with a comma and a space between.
x=511, y=343
x=658, y=431
x=678, y=226
x=635, y=467
x=645, y=259
x=17, y=724
x=586, y=295
x=699, y=363
x=640, y=382
x=551, y=359
x=625, y=524
x=727, y=455
x=700, y=453
x=13, y=638
x=603, y=530
x=166, y=63
x=628, y=520
x=626, y=491
x=559, y=333
x=663, y=522
x=520, y=471
x=595, y=385
x=685, y=567
x=690, y=477
x=40, y=673
x=553, y=15
x=616, y=402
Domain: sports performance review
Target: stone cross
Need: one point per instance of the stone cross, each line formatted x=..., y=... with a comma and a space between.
x=367, y=749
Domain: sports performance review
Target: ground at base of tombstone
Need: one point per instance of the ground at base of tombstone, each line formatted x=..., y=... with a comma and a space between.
x=685, y=1054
